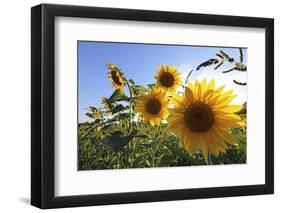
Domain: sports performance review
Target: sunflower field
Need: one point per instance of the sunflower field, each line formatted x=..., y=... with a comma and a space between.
x=172, y=122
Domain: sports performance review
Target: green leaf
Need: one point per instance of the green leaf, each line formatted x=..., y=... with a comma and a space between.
x=121, y=116
x=133, y=133
x=132, y=81
x=243, y=110
x=118, y=96
x=137, y=134
x=229, y=70
x=97, y=121
x=226, y=57
x=145, y=145
x=150, y=85
x=240, y=67
x=89, y=115
x=118, y=140
x=220, y=56
x=119, y=108
x=239, y=83
x=241, y=56
x=208, y=63
x=218, y=65
x=106, y=127
x=139, y=89
x=141, y=135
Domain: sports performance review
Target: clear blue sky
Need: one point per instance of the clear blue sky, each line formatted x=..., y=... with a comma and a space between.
x=139, y=62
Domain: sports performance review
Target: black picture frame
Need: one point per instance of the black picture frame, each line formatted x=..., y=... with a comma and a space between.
x=43, y=114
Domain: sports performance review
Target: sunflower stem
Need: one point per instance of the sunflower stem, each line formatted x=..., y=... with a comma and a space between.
x=102, y=118
x=130, y=104
x=210, y=159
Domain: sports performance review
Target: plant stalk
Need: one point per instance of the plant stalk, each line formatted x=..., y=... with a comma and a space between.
x=130, y=105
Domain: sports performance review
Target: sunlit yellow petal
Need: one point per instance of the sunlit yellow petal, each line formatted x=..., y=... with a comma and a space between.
x=211, y=85
x=229, y=108
x=189, y=95
x=203, y=86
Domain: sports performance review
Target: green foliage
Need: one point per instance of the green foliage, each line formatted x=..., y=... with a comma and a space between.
x=138, y=150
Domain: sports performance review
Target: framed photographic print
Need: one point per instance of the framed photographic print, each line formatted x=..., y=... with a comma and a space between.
x=139, y=106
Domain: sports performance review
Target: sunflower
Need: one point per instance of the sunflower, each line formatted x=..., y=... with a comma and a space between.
x=203, y=117
x=106, y=103
x=153, y=106
x=94, y=113
x=116, y=76
x=168, y=78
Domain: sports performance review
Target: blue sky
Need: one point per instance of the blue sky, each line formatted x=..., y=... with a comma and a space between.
x=139, y=62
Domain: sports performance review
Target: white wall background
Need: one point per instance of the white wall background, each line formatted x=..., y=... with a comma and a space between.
x=15, y=105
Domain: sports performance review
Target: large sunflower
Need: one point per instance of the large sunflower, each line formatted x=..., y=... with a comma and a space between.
x=168, y=79
x=203, y=118
x=153, y=106
x=116, y=76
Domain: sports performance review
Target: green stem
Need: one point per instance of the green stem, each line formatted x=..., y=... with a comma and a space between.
x=118, y=160
x=210, y=159
x=130, y=104
x=102, y=117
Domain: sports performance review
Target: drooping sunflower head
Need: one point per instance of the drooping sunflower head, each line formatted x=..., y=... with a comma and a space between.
x=153, y=106
x=110, y=65
x=168, y=79
x=203, y=118
x=116, y=76
x=94, y=113
x=106, y=103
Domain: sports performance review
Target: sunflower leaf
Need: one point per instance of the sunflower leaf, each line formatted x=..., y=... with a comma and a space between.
x=208, y=63
x=226, y=57
x=117, y=140
x=139, y=89
x=119, y=108
x=150, y=85
x=218, y=65
x=239, y=83
x=241, y=56
x=229, y=70
x=117, y=96
x=131, y=81
x=121, y=116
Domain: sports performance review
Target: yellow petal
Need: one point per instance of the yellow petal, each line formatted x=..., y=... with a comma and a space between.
x=191, y=87
x=220, y=89
x=226, y=135
x=203, y=86
x=228, y=117
x=189, y=95
x=203, y=147
x=199, y=92
x=229, y=108
x=211, y=85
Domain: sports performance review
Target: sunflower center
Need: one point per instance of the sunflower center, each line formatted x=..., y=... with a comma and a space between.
x=116, y=77
x=199, y=117
x=167, y=79
x=153, y=106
